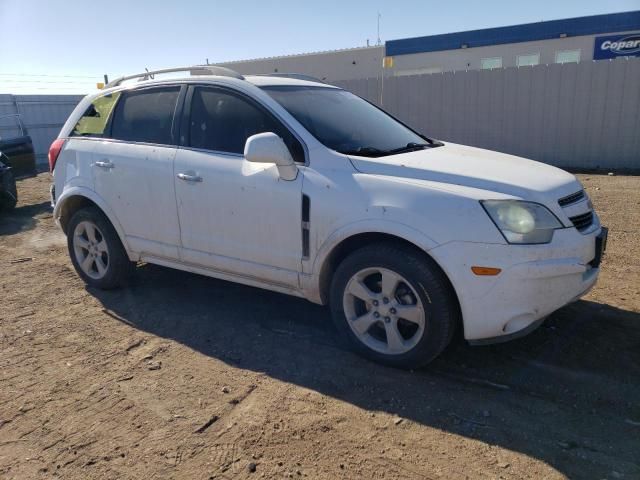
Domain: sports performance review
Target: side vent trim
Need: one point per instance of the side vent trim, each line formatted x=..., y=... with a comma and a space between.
x=306, y=226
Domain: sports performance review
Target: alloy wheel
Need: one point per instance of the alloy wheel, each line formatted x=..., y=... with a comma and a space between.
x=91, y=250
x=384, y=311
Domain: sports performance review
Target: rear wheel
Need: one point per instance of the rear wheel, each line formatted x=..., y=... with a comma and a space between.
x=95, y=249
x=394, y=305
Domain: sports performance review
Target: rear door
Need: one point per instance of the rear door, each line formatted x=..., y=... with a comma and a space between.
x=133, y=169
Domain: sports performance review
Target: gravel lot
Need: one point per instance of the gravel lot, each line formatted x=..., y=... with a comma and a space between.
x=182, y=376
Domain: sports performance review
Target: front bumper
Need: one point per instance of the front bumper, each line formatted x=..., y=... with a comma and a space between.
x=535, y=281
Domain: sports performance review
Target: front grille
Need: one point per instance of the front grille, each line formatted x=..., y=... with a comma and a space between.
x=582, y=222
x=573, y=198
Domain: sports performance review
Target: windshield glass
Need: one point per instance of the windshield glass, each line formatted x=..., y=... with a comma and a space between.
x=346, y=123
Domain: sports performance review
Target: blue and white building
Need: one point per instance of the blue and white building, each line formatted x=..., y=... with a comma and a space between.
x=596, y=37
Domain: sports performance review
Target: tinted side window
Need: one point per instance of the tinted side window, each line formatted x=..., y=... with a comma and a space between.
x=95, y=119
x=222, y=121
x=146, y=116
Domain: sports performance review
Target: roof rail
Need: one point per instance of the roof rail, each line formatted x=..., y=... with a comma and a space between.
x=297, y=76
x=194, y=70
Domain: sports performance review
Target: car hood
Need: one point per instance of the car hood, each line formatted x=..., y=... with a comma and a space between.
x=477, y=168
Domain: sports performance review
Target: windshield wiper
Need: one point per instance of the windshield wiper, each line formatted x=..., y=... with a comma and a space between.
x=409, y=147
x=365, y=152
x=376, y=152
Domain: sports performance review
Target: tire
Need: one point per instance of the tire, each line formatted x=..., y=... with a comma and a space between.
x=108, y=264
x=422, y=293
x=8, y=192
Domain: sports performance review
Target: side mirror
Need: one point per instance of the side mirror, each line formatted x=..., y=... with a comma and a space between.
x=269, y=148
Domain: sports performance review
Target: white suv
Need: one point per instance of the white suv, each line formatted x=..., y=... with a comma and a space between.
x=300, y=187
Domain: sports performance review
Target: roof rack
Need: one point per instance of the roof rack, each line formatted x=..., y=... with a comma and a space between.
x=297, y=76
x=194, y=70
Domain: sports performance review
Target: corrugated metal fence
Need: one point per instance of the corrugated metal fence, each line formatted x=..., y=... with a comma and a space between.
x=42, y=115
x=584, y=115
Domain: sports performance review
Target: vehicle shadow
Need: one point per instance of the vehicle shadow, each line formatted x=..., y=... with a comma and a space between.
x=567, y=394
x=22, y=218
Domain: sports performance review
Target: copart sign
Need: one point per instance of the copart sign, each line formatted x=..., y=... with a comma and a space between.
x=617, y=46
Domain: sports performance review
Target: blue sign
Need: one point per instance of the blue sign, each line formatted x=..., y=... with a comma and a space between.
x=615, y=46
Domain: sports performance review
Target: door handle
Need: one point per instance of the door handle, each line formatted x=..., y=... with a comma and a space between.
x=189, y=177
x=105, y=164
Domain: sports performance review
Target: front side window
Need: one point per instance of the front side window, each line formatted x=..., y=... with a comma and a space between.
x=93, y=122
x=222, y=121
x=146, y=116
x=345, y=122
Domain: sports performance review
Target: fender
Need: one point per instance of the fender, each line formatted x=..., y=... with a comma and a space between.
x=310, y=282
x=99, y=201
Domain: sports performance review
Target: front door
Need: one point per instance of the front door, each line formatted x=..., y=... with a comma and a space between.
x=235, y=216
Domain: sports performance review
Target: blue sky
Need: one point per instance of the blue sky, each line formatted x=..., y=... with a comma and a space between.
x=74, y=42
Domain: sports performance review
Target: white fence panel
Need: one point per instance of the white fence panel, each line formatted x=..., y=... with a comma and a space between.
x=584, y=115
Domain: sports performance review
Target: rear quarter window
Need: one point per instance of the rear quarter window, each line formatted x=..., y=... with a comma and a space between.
x=146, y=116
x=95, y=119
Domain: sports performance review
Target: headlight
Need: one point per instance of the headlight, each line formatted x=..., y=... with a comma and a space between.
x=522, y=222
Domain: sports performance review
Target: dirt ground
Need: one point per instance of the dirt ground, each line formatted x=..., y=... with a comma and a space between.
x=182, y=376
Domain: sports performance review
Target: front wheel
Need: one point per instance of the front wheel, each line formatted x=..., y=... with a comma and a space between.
x=394, y=305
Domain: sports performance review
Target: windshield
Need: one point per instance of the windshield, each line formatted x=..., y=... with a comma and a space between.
x=345, y=122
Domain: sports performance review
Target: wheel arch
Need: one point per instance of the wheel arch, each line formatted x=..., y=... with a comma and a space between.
x=350, y=243
x=77, y=198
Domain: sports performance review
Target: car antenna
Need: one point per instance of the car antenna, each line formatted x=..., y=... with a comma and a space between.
x=148, y=76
